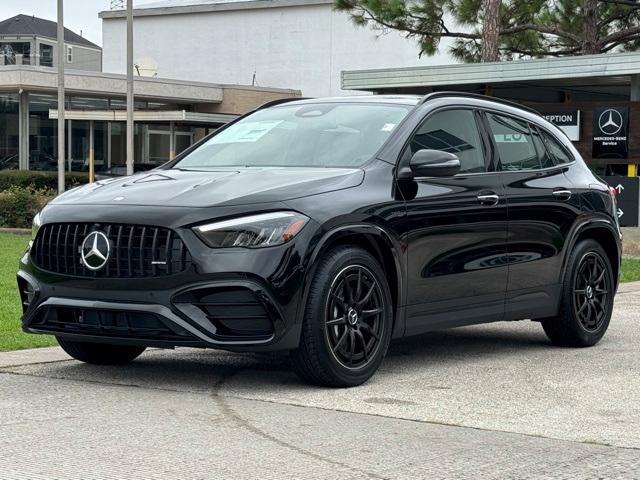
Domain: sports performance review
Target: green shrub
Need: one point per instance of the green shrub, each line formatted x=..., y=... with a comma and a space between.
x=18, y=205
x=39, y=180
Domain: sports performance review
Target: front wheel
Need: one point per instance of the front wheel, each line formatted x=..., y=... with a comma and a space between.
x=100, y=353
x=587, y=298
x=348, y=319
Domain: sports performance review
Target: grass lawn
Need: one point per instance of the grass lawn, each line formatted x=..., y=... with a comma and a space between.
x=630, y=270
x=11, y=335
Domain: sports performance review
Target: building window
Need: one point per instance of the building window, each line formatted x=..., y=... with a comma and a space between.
x=9, y=135
x=11, y=51
x=69, y=54
x=46, y=55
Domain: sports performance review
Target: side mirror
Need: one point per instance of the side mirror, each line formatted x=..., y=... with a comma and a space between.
x=432, y=163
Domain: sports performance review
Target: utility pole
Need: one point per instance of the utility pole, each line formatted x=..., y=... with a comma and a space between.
x=129, y=87
x=61, y=136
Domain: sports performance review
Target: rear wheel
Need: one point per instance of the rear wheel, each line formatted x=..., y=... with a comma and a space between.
x=587, y=298
x=348, y=319
x=100, y=353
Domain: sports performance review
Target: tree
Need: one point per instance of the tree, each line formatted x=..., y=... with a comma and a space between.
x=491, y=30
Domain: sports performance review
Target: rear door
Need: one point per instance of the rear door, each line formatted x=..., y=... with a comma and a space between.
x=541, y=209
x=457, y=226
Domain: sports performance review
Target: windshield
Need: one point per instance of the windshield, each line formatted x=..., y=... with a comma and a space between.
x=320, y=135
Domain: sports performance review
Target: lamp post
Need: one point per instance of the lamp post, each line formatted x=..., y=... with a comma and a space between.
x=61, y=57
x=129, y=87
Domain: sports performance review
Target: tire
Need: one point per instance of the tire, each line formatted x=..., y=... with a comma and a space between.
x=587, y=298
x=100, y=353
x=347, y=320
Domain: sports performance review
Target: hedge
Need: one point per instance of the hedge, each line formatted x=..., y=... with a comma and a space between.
x=18, y=205
x=37, y=180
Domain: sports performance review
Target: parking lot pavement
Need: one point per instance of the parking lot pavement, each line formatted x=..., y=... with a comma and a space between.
x=493, y=401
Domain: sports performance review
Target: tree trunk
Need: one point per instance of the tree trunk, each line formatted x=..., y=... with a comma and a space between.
x=590, y=40
x=491, y=30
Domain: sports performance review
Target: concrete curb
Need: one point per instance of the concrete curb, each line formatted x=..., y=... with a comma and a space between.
x=32, y=356
x=629, y=287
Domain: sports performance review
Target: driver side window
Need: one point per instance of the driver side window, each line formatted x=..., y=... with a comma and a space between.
x=453, y=131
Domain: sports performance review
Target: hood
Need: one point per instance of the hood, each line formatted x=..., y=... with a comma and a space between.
x=222, y=187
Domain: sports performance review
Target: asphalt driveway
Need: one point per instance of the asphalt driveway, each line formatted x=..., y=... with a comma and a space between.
x=494, y=401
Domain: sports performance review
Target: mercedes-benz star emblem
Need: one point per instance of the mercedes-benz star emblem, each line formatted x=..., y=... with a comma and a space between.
x=610, y=122
x=95, y=251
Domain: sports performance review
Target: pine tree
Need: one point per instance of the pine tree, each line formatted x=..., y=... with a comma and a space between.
x=492, y=30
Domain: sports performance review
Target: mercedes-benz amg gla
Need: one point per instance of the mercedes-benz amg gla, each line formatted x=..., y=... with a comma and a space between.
x=327, y=228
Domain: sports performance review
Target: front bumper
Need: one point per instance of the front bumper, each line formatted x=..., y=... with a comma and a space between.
x=236, y=299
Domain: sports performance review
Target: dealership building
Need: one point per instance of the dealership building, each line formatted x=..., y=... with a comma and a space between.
x=170, y=114
x=594, y=99
x=300, y=44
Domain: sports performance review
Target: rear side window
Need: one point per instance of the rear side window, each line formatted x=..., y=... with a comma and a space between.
x=559, y=153
x=515, y=143
x=543, y=154
x=453, y=131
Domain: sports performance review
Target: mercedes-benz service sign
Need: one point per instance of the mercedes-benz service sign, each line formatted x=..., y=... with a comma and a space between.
x=611, y=132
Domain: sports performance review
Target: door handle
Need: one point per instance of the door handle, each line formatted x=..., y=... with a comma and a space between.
x=489, y=199
x=562, y=193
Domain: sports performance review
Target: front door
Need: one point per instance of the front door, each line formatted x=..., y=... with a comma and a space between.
x=457, y=227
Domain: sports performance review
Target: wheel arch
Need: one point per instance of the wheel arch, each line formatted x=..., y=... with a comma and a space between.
x=381, y=245
x=606, y=234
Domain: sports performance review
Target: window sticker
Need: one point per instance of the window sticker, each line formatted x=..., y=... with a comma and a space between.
x=248, y=132
x=388, y=127
x=510, y=138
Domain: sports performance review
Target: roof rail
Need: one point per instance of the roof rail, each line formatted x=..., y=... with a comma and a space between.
x=431, y=96
x=280, y=101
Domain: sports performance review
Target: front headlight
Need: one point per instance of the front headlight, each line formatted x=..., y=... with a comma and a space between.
x=255, y=231
x=35, y=226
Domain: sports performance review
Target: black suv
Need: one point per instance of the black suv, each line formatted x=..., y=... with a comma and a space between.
x=326, y=228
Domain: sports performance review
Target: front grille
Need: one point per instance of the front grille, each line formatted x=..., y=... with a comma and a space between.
x=136, y=251
x=108, y=323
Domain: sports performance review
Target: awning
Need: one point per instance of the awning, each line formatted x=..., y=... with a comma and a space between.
x=181, y=116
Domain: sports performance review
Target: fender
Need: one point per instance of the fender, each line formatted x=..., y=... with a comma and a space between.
x=360, y=229
x=583, y=225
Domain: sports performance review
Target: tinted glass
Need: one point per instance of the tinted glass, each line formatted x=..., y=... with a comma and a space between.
x=453, y=131
x=515, y=143
x=321, y=135
x=559, y=153
x=543, y=155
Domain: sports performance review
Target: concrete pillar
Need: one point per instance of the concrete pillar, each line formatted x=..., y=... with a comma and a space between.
x=635, y=88
x=23, y=131
x=172, y=140
x=108, y=144
x=92, y=152
x=69, y=145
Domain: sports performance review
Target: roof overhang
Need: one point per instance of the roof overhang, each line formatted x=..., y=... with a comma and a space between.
x=612, y=69
x=178, y=9
x=96, y=83
x=180, y=116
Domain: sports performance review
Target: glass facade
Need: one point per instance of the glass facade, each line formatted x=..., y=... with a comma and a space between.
x=9, y=131
x=152, y=141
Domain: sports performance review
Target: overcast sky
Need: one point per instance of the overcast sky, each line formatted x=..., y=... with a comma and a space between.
x=78, y=14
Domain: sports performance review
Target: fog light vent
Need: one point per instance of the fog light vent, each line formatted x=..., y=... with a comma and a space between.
x=27, y=293
x=233, y=311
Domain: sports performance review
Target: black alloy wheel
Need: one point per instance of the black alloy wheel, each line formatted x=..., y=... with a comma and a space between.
x=586, y=304
x=347, y=321
x=591, y=291
x=354, y=320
